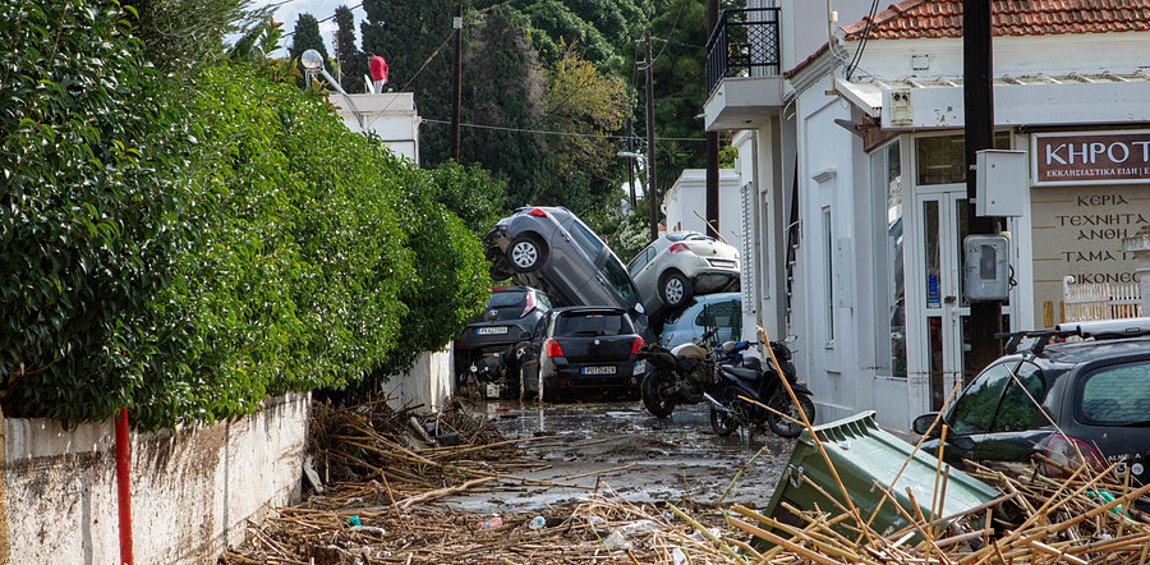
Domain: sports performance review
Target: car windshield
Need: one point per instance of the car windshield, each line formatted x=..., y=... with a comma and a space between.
x=1116, y=395
x=618, y=278
x=588, y=325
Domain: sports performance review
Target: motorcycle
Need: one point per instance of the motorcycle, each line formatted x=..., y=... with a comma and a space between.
x=729, y=410
x=677, y=376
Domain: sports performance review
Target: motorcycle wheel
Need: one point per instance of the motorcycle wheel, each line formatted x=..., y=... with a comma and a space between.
x=650, y=391
x=724, y=423
x=782, y=402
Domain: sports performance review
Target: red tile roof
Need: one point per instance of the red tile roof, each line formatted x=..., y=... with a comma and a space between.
x=913, y=19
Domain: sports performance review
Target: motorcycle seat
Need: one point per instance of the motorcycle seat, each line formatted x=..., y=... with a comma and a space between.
x=749, y=375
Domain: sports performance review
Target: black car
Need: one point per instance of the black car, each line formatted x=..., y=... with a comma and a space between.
x=581, y=349
x=553, y=250
x=1096, y=391
x=483, y=350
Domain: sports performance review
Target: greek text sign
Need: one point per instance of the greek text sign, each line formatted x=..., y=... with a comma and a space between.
x=1091, y=157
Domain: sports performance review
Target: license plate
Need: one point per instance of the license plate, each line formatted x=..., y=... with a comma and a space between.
x=609, y=370
x=494, y=330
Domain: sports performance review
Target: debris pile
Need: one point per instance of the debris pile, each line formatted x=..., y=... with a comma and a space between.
x=386, y=470
x=1085, y=518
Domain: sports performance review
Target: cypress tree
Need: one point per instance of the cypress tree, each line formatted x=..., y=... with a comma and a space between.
x=306, y=36
x=352, y=62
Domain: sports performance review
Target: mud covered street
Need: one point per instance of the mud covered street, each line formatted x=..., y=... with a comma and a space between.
x=617, y=447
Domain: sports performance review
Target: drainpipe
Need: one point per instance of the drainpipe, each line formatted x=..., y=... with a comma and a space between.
x=124, y=486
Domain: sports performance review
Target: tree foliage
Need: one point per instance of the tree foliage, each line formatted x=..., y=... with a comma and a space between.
x=352, y=62
x=186, y=254
x=306, y=36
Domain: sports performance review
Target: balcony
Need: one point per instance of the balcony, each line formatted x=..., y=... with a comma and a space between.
x=743, y=69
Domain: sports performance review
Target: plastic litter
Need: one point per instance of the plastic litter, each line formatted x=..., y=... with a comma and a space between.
x=368, y=529
x=353, y=521
x=616, y=541
x=493, y=522
x=537, y=523
x=639, y=527
x=678, y=557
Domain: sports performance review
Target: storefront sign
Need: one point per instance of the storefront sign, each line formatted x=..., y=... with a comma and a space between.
x=1116, y=157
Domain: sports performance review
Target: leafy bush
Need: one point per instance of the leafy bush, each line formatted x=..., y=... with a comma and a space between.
x=186, y=253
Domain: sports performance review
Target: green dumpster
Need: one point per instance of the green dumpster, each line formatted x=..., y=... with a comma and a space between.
x=865, y=456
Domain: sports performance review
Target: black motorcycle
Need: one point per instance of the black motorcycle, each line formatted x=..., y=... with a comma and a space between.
x=677, y=376
x=729, y=411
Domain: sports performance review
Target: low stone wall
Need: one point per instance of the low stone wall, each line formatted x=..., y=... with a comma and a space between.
x=192, y=492
x=429, y=383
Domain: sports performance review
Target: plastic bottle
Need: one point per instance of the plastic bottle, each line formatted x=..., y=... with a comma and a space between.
x=537, y=523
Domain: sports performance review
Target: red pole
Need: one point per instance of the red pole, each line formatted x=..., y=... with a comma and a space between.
x=124, y=486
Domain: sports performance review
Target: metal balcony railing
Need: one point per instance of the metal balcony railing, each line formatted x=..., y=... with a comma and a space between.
x=745, y=44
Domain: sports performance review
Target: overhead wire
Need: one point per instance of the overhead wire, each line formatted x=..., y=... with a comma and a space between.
x=552, y=132
x=862, y=42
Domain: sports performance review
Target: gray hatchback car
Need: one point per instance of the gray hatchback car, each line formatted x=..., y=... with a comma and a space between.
x=679, y=265
x=551, y=249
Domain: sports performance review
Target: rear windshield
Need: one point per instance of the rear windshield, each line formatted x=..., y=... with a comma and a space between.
x=593, y=325
x=1116, y=395
x=506, y=299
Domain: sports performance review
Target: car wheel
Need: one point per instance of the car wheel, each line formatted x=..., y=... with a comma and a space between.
x=675, y=289
x=525, y=254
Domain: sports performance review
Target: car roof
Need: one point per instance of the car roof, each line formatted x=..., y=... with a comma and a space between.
x=1094, y=350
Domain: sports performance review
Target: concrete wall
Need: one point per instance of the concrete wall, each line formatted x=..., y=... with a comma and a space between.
x=192, y=492
x=429, y=383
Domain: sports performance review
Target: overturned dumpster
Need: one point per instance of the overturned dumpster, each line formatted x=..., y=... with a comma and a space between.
x=873, y=475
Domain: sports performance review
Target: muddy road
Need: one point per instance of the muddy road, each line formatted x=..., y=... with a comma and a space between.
x=617, y=447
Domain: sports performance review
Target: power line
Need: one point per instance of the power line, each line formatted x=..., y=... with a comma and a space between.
x=552, y=132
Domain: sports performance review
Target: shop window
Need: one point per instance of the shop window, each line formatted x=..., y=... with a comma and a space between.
x=890, y=290
x=942, y=159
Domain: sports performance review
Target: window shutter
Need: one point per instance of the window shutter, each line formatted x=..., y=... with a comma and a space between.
x=749, y=282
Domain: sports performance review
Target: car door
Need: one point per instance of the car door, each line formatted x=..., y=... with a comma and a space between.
x=995, y=419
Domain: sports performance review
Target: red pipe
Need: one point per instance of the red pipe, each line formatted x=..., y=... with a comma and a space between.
x=124, y=486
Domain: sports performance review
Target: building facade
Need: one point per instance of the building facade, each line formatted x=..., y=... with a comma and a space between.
x=852, y=135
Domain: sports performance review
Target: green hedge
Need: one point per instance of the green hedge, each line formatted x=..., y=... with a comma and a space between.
x=188, y=249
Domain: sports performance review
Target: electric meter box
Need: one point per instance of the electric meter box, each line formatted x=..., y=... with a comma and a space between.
x=987, y=270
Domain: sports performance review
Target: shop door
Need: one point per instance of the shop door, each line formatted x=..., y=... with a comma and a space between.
x=943, y=221
x=945, y=313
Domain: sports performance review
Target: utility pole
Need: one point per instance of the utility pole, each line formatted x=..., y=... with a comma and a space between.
x=630, y=162
x=652, y=193
x=712, y=145
x=457, y=71
x=978, y=99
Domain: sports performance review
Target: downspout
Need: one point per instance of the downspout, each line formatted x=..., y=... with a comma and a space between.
x=124, y=486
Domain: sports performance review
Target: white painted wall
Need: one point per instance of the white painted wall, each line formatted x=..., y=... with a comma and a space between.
x=429, y=383
x=192, y=492
x=686, y=201
x=391, y=115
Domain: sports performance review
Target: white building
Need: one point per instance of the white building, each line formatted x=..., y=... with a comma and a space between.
x=684, y=204
x=390, y=115
x=851, y=137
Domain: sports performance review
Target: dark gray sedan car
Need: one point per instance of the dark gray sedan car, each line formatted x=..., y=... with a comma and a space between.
x=551, y=249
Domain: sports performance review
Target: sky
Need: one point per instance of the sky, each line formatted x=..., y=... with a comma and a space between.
x=288, y=12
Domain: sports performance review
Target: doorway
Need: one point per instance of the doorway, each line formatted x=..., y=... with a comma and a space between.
x=944, y=313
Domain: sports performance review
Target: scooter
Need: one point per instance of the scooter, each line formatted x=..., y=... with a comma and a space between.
x=677, y=376
x=729, y=410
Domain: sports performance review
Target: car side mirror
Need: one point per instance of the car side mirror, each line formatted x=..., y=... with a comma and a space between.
x=922, y=423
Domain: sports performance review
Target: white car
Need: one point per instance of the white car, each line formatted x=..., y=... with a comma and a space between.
x=679, y=265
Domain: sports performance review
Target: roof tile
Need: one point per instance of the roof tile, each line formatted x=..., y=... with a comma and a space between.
x=912, y=19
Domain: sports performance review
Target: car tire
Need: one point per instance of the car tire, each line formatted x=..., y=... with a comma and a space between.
x=675, y=289
x=526, y=254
